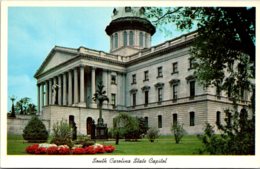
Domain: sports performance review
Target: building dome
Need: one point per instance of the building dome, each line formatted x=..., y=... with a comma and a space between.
x=129, y=28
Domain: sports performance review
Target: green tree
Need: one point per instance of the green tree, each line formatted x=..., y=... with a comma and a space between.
x=99, y=97
x=178, y=132
x=124, y=125
x=35, y=131
x=24, y=106
x=224, y=57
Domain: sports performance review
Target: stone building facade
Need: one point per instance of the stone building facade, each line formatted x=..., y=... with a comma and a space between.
x=156, y=82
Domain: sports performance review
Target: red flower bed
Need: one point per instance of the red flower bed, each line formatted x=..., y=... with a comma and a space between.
x=31, y=149
x=78, y=151
x=109, y=149
x=52, y=150
x=63, y=150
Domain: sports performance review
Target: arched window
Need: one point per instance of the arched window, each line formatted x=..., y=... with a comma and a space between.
x=131, y=38
x=141, y=39
x=125, y=38
x=218, y=118
x=116, y=40
x=192, y=118
x=112, y=41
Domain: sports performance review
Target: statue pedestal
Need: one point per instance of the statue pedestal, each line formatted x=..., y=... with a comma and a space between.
x=101, y=131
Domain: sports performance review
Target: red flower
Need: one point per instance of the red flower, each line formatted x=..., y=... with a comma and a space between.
x=52, y=150
x=78, y=151
x=100, y=149
x=90, y=150
x=109, y=149
x=63, y=150
x=32, y=148
x=41, y=150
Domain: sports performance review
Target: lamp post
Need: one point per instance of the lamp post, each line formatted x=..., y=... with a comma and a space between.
x=12, y=111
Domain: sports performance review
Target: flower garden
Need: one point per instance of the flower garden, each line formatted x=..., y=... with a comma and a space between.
x=53, y=149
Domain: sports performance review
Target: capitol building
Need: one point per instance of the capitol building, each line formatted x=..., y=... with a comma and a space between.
x=153, y=82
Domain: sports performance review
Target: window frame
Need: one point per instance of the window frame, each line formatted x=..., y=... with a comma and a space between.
x=113, y=79
x=133, y=79
x=159, y=121
x=192, y=118
x=175, y=68
x=146, y=75
x=159, y=71
x=192, y=88
x=146, y=97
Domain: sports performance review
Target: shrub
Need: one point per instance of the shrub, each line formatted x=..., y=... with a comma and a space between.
x=62, y=134
x=178, y=132
x=32, y=148
x=78, y=151
x=84, y=141
x=35, y=131
x=152, y=134
x=52, y=150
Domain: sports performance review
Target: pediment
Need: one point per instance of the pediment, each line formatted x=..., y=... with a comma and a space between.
x=55, y=58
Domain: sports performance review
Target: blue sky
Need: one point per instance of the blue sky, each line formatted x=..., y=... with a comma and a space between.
x=34, y=31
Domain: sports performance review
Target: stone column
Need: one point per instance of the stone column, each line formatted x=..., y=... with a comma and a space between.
x=39, y=97
x=50, y=91
x=54, y=93
x=104, y=79
x=42, y=100
x=82, y=89
x=70, y=89
x=59, y=90
x=93, y=85
x=46, y=93
x=64, y=87
x=76, y=96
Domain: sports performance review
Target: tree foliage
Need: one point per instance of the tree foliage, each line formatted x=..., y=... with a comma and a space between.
x=178, y=132
x=224, y=56
x=24, y=106
x=35, y=131
x=126, y=126
x=99, y=97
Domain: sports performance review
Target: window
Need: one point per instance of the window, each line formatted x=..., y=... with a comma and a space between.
x=146, y=75
x=141, y=39
x=112, y=41
x=134, y=99
x=175, y=68
x=116, y=40
x=113, y=99
x=192, y=118
x=160, y=94
x=113, y=79
x=146, y=122
x=229, y=116
x=218, y=91
x=125, y=38
x=174, y=92
x=191, y=63
x=127, y=9
x=218, y=118
x=146, y=40
x=192, y=89
x=160, y=121
x=146, y=97
x=159, y=72
x=175, y=118
x=134, y=79
x=131, y=38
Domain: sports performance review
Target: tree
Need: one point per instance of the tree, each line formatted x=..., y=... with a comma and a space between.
x=99, y=97
x=24, y=106
x=35, y=131
x=224, y=56
x=124, y=125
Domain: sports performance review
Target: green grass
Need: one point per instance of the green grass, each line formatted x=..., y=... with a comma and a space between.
x=165, y=145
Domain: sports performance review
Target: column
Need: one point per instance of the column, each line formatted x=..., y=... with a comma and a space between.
x=39, y=97
x=119, y=87
x=93, y=85
x=54, y=92
x=42, y=100
x=70, y=89
x=50, y=91
x=82, y=91
x=59, y=90
x=104, y=79
x=64, y=87
x=76, y=96
x=46, y=93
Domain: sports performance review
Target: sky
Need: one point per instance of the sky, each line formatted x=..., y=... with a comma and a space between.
x=34, y=31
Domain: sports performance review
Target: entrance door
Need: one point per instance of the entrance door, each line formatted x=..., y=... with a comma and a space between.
x=89, y=125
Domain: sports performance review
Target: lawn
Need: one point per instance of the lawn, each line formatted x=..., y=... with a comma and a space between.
x=165, y=145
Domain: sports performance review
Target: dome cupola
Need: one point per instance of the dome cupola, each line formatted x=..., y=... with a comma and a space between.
x=129, y=30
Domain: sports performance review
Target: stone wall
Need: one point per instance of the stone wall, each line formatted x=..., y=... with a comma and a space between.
x=16, y=125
